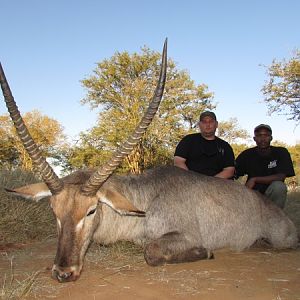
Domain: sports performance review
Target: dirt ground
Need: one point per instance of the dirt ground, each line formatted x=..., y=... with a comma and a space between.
x=254, y=274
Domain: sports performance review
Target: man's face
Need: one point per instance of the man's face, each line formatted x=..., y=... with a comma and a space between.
x=208, y=126
x=263, y=138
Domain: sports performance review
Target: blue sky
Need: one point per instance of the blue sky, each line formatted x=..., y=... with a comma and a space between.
x=47, y=47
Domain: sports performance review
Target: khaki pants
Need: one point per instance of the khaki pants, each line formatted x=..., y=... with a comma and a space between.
x=277, y=192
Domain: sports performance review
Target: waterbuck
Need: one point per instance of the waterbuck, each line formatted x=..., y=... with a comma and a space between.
x=177, y=215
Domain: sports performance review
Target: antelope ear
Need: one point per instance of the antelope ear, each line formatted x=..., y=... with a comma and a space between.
x=36, y=191
x=118, y=202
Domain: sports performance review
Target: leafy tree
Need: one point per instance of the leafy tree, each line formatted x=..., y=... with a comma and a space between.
x=8, y=153
x=237, y=137
x=231, y=132
x=295, y=156
x=122, y=87
x=282, y=90
x=238, y=148
x=47, y=133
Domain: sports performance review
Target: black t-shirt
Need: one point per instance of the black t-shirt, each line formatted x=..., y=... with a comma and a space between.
x=207, y=157
x=250, y=162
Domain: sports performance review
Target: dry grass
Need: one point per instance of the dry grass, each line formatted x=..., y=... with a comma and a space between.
x=23, y=221
x=15, y=284
x=12, y=288
x=111, y=256
x=292, y=208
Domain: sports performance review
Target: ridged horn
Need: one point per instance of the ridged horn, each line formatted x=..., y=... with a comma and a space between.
x=54, y=184
x=102, y=174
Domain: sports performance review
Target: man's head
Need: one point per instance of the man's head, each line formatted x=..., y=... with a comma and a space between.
x=208, y=124
x=263, y=136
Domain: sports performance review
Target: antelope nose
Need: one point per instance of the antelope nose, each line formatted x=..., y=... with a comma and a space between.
x=62, y=276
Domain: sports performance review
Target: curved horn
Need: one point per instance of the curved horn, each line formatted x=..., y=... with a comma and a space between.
x=101, y=175
x=50, y=178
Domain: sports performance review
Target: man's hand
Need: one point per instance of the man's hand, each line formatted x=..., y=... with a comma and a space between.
x=264, y=180
x=250, y=183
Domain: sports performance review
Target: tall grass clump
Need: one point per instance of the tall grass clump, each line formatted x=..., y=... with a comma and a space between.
x=292, y=208
x=23, y=220
x=15, y=284
x=13, y=289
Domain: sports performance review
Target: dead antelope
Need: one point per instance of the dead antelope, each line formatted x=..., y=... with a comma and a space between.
x=178, y=216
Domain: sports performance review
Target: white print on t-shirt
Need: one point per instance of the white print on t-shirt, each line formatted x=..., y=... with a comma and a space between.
x=272, y=164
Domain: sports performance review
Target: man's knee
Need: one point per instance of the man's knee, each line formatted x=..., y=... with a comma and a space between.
x=278, y=187
x=277, y=192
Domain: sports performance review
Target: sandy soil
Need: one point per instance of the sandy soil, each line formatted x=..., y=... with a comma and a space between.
x=255, y=274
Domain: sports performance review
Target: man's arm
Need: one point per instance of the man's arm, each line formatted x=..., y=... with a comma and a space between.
x=265, y=180
x=180, y=162
x=226, y=173
x=228, y=163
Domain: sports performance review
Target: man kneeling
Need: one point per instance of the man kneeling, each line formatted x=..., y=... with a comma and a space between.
x=266, y=166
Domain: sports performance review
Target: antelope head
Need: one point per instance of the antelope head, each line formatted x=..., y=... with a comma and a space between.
x=77, y=199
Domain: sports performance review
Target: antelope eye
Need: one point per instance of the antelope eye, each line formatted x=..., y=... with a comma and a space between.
x=91, y=212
